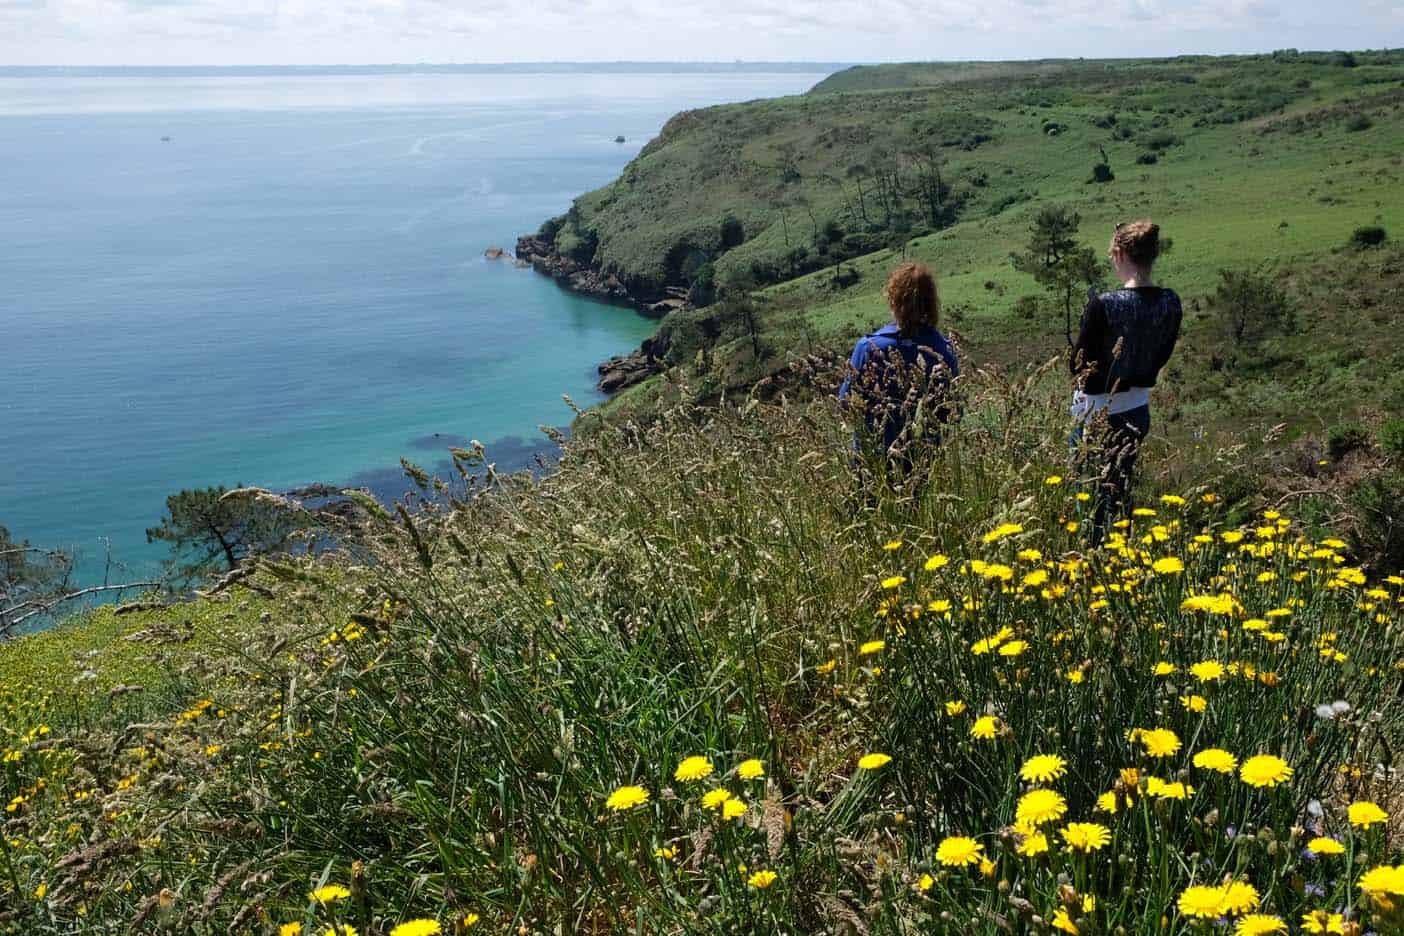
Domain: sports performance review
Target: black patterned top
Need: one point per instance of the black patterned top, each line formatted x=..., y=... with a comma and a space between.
x=1126, y=338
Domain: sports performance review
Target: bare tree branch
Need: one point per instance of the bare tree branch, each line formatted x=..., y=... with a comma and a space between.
x=37, y=608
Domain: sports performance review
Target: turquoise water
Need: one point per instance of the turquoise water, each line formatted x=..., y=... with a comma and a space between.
x=292, y=288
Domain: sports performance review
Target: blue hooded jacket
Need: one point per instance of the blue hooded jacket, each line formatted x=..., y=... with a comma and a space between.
x=874, y=375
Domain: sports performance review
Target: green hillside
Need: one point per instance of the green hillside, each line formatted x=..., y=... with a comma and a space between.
x=1266, y=162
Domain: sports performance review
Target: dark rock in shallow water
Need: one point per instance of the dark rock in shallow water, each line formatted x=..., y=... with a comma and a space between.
x=494, y=253
x=619, y=139
x=578, y=277
x=626, y=370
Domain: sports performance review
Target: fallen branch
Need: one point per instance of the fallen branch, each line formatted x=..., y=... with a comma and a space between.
x=39, y=608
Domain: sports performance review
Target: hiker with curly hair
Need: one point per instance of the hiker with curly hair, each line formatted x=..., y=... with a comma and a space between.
x=900, y=376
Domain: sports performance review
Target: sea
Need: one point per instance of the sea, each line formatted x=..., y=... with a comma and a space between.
x=280, y=279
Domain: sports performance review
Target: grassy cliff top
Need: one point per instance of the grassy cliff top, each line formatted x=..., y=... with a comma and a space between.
x=1250, y=164
x=528, y=711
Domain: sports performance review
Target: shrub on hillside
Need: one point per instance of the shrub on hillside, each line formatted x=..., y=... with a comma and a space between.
x=1345, y=438
x=1147, y=159
x=1251, y=308
x=733, y=233
x=1378, y=506
x=1161, y=140
x=1102, y=173
x=1026, y=307
x=1370, y=236
x=1392, y=438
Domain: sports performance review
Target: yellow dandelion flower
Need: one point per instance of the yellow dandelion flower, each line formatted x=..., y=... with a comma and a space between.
x=1265, y=770
x=1258, y=924
x=693, y=768
x=290, y=929
x=752, y=769
x=762, y=879
x=1086, y=836
x=1163, y=668
x=1201, y=902
x=733, y=809
x=1383, y=880
x=1032, y=844
x=423, y=927
x=1239, y=897
x=1365, y=814
x=1160, y=742
x=1216, y=759
x=1037, y=807
x=328, y=893
x=1194, y=703
x=1321, y=845
x=666, y=852
x=925, y=883
x=824, y=669
x=1170, y=565
x=1013, y=648
x=1170, y=791
x=1000, y=572
x=890, y=545
x=713, y=799
x=937, y=562
x=1207, y=671
x=873, y=761
x=1053, y=480
x=626, y=797
x=893, y=581
x=1063, y=923
x=871, y=647
x=955, y=707
x=1042, y=768
x=986, y=727
x=1320, y=921
x=958, y=850
x=1003, y=531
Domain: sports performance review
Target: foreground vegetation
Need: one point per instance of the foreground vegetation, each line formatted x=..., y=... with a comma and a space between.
x=699, y=681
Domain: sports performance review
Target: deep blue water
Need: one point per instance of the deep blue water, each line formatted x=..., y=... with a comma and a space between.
x=292, y=289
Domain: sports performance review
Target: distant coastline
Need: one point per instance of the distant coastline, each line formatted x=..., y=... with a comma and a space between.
x=504, y=68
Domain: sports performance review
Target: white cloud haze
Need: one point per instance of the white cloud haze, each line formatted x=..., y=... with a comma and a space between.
x=227, y=32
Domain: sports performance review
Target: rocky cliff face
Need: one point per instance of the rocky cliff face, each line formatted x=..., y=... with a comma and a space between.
x=583, y=278
x=577, y=277
x=623, y=370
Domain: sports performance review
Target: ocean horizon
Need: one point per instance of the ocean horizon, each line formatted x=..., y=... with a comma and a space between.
x=280, y=280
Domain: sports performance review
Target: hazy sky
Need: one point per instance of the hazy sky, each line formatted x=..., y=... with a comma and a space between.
x=226, y=32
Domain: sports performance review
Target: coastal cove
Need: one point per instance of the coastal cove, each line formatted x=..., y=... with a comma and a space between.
x=280, y=280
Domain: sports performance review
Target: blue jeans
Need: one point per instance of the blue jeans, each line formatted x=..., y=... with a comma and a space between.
x=1109, y=454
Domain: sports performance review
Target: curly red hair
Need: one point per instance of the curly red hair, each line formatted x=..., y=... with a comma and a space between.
x=911, y=295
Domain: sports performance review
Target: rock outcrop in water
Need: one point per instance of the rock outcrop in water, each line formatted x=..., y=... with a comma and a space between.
x=628, y=369
x=578, y=277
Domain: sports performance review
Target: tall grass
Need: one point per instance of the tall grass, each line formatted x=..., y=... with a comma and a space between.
x=439, y=721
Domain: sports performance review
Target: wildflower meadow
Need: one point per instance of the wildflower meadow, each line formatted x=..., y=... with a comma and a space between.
x=702, y=680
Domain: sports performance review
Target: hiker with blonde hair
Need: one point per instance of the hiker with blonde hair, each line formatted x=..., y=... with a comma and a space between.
x=1126, y=338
